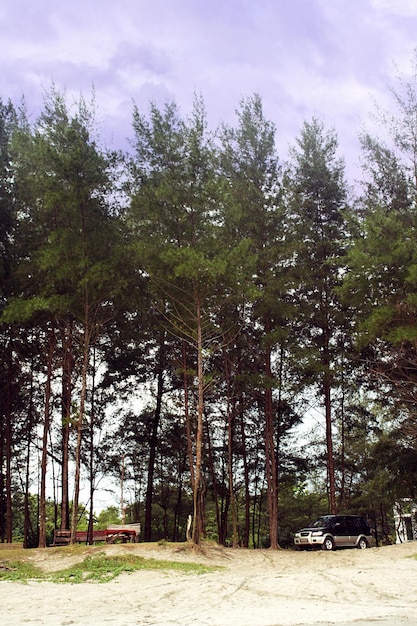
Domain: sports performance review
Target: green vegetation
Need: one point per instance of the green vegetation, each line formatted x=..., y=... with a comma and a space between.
x=98, y=568
x=21, y=571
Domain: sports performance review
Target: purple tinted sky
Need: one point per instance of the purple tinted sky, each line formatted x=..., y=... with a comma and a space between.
x=329, y=58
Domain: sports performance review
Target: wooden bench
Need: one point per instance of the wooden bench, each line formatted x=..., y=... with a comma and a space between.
x=114, y=532
x=81, y=536
x=62, y=537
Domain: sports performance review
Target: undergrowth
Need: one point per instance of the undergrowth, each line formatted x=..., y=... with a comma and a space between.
x=98, y=568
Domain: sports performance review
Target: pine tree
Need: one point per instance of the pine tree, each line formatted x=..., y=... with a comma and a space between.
x=381, y=283
x=318, y=196
x=175, y=214
x=67, y=227
x=255, y=221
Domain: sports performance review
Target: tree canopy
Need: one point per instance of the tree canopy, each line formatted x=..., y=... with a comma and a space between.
x=226, y=337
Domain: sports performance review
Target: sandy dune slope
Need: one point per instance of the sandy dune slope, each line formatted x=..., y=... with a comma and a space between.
x=255, y=588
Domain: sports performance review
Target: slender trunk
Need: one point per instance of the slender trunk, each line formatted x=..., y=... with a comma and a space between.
x=231, y=413
x=329, y=446
x=86, y=345
x=198, y=501
x=328, y=417
x=187, y=417
x=65, y=512
x=91, y=454
x=67, y=369
x=178, y=506
x=77, y=478
x=154, y=440
x=27, y=521
x=343, y=490
x=122, y=488
x=270, y=458
x=254, y=506
x=9, y=446
x=246, y=530
x=188, y=431
x=44, y=457
x=2, y=452
x=279, y=420
x=212, y=471
x=10, y=381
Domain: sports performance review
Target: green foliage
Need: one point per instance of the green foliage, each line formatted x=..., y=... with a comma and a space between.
x=299, y=507
x=19, y=571
x=228, y=269
x=111, y=515
x=97, y=568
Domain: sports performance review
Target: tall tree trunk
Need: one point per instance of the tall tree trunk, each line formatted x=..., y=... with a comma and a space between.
x=77, y=478
x=188, y=427
x=329, y=445
x=8, y=443
x=231, y=415
x=211, y=469
x=328, y=416
x=44, y=457
x=6, y=438
x=178, y=506
x=27, y=521
x=187, y=416
x=67, y=373
x=270, y=458
x=343, y=494
x=91, y=472
x=246, y=530
x=198, y=495
x=2, y=482
x=154, y=439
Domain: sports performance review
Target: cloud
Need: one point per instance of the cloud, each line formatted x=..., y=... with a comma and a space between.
x=327, y=58
x=406, y=8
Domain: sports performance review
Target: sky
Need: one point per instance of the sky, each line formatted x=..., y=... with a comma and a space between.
x=332, y=59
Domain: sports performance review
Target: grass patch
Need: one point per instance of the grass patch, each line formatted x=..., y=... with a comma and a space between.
x=19, y=571
x=98, y=568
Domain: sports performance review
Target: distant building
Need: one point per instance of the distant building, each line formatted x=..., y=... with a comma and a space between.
x=405, y=518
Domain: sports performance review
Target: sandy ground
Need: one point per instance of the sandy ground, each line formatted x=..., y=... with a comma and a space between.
x=377, y=586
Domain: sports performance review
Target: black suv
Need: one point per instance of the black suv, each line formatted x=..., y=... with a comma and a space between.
x=333, y=531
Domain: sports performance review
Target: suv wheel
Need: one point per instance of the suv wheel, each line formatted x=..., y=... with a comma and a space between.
x=362, y=543
x=328, y=543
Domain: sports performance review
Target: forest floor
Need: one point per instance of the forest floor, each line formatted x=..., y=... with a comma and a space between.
x=377, y=586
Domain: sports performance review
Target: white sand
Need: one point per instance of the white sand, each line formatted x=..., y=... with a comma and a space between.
x=255, y=588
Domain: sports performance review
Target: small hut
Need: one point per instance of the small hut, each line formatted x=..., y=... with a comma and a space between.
x=405, y=517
